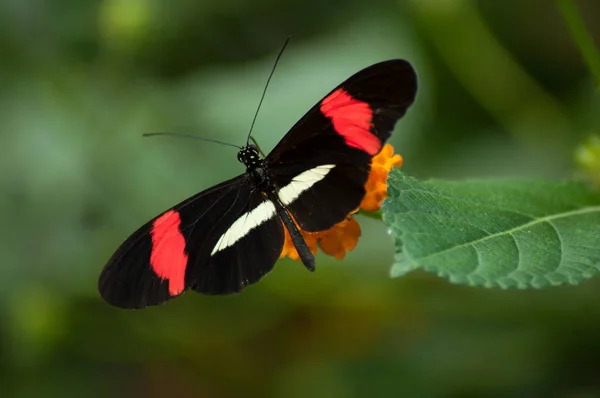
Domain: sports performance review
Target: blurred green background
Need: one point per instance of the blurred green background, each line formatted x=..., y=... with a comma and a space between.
x=503, y=92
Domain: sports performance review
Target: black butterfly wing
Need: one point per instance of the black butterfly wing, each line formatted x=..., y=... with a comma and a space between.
x=323, y=162
x=242, y=246
x=174, y=251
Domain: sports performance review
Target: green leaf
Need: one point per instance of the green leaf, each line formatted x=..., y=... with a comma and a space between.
x=506, y=233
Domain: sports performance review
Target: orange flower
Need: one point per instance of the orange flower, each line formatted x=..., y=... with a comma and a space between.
x=376, y=185
x=340, y=239
x=335, y=241
x=343, y=236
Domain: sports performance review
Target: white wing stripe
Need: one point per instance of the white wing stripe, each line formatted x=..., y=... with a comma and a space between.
x=243, y=225
x=303, y=182
x=266, y=210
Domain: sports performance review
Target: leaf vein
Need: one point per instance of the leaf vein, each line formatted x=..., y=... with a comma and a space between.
x=585, y=210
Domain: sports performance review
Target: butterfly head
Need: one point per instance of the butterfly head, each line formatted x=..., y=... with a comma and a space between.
x=249, y=156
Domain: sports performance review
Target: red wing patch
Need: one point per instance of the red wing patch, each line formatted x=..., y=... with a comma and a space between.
x=168, y=257
x=352, y=119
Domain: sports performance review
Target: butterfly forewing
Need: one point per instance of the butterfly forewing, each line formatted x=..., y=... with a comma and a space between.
x=379, y=94
x=216, y=242
x=345, y=129
x=150, y=267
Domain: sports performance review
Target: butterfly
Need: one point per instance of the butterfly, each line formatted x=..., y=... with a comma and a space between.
x=229, y=236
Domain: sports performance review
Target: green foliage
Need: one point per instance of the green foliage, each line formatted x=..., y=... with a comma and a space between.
x=581, y=37
x=587, y=157
x=495, y=233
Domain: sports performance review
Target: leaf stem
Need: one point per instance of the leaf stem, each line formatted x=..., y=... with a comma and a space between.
x=583, y=40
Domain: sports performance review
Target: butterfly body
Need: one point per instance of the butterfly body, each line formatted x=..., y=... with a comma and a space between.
x=256, y=168
x=257, y=172
x=229, y=236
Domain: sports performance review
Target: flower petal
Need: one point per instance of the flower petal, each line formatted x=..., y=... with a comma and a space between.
x=376, y=185
x=341, y=238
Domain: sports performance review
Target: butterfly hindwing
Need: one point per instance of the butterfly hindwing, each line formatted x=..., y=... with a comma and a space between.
x=240, y=248
x=322, y=193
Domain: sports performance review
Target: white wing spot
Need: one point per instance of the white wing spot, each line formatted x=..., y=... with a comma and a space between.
x=303, y=182
x=244, y=224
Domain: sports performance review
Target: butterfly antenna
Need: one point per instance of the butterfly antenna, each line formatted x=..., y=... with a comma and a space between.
x=266, y=86
x=258, y=147
x=192, y=136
